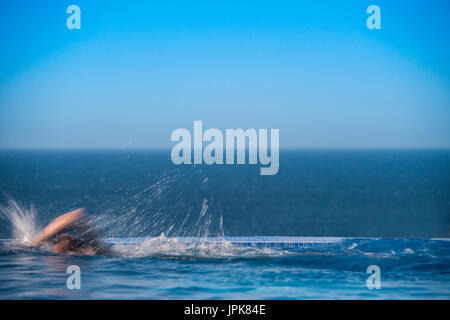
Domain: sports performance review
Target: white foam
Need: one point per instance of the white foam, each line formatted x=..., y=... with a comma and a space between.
x=23, y=221
x=172, y=247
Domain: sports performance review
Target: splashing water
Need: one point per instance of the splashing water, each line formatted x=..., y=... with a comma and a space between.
x=23, y=221
x=175, y=248
x=162, y=207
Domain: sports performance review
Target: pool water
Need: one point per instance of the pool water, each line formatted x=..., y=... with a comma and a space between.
x=165, y=268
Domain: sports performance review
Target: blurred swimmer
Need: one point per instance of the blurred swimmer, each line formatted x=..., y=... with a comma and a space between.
x=76, y=221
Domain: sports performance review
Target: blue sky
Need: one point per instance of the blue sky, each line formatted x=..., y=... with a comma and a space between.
x=137, y=70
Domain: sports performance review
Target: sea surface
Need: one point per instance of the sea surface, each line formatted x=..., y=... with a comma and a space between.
x=390, y=208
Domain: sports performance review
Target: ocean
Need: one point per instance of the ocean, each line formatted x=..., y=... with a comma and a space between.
x=389, y=208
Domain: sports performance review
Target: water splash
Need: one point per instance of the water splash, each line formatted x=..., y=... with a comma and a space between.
x=372, y=250
x=163, y=207
x=204, y=207
x=174, y=248
x=23, y=221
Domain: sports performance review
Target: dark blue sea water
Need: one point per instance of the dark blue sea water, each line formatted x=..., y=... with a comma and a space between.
x=399, y=197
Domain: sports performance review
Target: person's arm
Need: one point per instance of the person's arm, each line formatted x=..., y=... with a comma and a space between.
x=58, y=224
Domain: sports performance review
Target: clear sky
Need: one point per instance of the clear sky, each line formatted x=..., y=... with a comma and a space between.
x=137, y=70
